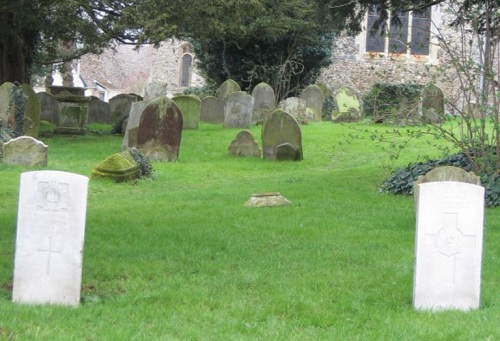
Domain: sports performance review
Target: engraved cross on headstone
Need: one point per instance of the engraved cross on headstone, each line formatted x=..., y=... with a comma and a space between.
x=450, y=241
x=50, y=250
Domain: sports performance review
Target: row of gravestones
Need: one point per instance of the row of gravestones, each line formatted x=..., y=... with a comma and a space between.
x=448, y=245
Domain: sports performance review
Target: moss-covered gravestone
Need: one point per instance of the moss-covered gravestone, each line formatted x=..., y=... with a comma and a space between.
x=348, y=105
x=49, y=107
x=432, y=104
x=281, y=137
x=119, y=167
x=119, y=106
x=227, y=88
x=190, y=108
x=160, y=130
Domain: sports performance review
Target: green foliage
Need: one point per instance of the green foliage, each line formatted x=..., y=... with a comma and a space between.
x=144, y=166
x=209, y=89
x=387, y=102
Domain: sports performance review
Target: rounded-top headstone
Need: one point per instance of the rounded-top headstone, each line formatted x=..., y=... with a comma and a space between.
x=190, y=108
x=281, y=137
x=314, y=98
x=227, y=88
x=264, y=101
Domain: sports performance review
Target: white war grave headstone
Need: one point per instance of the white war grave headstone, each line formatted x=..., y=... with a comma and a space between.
x=50, y=236
x=448, y=248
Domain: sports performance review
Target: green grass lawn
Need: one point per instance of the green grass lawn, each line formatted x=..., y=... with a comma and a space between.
x=180, y=258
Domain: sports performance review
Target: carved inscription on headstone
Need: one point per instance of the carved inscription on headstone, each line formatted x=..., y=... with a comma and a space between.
x=50, y=235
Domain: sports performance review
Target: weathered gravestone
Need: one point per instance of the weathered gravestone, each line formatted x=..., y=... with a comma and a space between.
x=155, y=89
x=227, y=88
x=160, y=130
x=348, y=105
x=190, y=108
x=49, y=107
x=65, y=90
x=448, y=242
x=238, y=110
x=244, y=145
x=445, y=173
x=50, y=238
x=296, y=107
x=269, y=199
x=432, y=104
x=134, y=118
x=98, y=112
x=314, y=99
x=72, y=118
x=25, y=151
x=281, y=137
x=264, y=101
x=211, y=110
x=20, y=109
x=119, y=106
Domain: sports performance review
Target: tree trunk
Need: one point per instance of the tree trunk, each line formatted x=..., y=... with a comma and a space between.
x=16, y=51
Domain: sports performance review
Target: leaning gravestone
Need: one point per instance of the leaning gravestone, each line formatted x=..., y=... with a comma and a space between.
x=227, y=88
x=49, y=107
x=348, y=105
x=238, y=110
x=448, y=242
x=160, y=130
x=244, y=145
x=50, y=238
x=134, y=118
x=264, y=101
x=211, y=110
x=296, y=107
x=281, y=137
x=25, y=151
x=190, y=108
x=98, y=112
x=432, y=104
x=313, y=96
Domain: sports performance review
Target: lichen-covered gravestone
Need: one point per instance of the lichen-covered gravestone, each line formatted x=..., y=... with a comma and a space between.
x=314, y=99
x=244, y=145
x=160, y=130
x=281, y=137
x=190, y=108
x=25, y=151
x=227, y=88
x=155, y=89
x=296, y=107
x=448, y=247
x=20, y=109
x=50, y=238
x=348, y=105
x=211, y=110
x=238, y=110
x=119, y=167
x=72, y=118
x=264, y=101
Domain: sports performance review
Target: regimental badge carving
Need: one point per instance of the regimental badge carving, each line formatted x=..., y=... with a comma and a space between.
x=52, y=196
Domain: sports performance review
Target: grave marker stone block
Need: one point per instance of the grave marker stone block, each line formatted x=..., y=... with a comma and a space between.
x=49, y=107
x=448, y=246
x=296, y=107
x=313, y=96
x=72, y=118
x=244, y=145
x=190, y=108
x=227, y=88
x=50, y=238
x=264, y=101
x=348, y=105
x=281, y=137
x=98, y=112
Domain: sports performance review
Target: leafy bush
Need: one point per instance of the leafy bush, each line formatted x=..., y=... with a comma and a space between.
x=143, y=164
x=401, y=180
x=209, y=89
